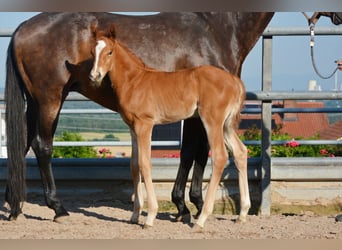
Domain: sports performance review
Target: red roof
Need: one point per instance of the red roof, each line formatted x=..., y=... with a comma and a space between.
x=333, y=132
x=306, y=124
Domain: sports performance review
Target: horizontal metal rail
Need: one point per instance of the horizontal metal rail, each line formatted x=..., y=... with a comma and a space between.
x=117, y=169
x=111, y=143
x=301, y=142
x=301, y=31
x=298, y=95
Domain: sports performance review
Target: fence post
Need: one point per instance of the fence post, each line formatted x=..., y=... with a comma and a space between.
x=1, y=135
x=266, y=127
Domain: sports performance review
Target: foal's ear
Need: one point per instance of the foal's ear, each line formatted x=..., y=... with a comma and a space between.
x=111, y=33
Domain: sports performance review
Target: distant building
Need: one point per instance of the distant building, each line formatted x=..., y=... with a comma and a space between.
x=295, y=124
x=313, y=86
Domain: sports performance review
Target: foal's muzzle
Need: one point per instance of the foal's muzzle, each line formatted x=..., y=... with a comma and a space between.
x=95, y=78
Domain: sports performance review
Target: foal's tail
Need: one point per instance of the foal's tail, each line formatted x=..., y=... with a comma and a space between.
x=234, y=112
x=16, y=129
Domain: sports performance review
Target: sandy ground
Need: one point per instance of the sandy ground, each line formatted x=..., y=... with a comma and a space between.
x=110, y=220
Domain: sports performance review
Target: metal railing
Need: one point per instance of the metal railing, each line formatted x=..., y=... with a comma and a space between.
x=266, y=141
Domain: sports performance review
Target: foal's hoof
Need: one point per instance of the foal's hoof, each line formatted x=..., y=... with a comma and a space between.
x=197, y=228
x=240, y=220
x=61, y=219
x=146, y=226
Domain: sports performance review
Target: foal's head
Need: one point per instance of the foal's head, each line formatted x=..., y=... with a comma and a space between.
x=102, y=53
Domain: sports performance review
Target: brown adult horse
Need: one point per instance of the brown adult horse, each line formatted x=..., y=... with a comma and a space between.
x=36, y=72
x=147, y=97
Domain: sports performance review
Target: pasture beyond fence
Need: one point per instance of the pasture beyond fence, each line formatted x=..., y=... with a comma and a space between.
x=263, y=169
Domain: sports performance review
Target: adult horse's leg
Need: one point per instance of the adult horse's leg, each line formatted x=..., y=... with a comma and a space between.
x=194, y=148
x=187, y=157
x=201, y=159
x=42, y=145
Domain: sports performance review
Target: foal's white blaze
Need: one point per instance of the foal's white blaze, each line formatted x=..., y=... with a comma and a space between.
x=99, y=47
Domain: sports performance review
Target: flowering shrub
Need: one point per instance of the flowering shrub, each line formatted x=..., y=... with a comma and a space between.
x=105, y=153
x=172, y=155
x=292, y=144
x=292, y=148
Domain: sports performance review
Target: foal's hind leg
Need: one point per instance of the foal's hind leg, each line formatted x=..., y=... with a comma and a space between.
x=219, y=161
x=42, y=147
x=239, y=152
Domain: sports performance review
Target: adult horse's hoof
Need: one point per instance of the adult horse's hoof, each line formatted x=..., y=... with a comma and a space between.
x=338, y=218
x=198, y=214
x=12, y=217
x=15, y=217
x=185, y=218
x=64, y=219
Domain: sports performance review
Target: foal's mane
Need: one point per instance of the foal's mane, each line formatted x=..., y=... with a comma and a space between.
x=131, y=54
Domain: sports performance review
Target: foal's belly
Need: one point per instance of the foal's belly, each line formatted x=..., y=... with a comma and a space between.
x=176, y=114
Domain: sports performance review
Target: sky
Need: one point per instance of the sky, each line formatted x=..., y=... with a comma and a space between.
x=291, y=69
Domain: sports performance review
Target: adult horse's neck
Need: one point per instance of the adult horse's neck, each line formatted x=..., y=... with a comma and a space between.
x=236, y=33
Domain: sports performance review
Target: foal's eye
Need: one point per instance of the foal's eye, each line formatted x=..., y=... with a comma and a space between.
x=110, y=53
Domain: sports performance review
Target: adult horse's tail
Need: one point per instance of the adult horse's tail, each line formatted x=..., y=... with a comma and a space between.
x=16, y=129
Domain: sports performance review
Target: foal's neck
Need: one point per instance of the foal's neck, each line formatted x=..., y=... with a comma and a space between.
x=129, y=55
x=126, y=66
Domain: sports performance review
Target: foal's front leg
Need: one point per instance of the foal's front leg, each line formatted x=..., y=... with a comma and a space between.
x=143, y=131
x=135, y=173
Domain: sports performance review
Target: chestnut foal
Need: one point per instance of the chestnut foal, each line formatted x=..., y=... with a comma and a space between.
x=147, y=97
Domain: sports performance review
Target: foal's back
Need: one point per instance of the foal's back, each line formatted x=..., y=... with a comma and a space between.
x=177, y=95
x=197, y=82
